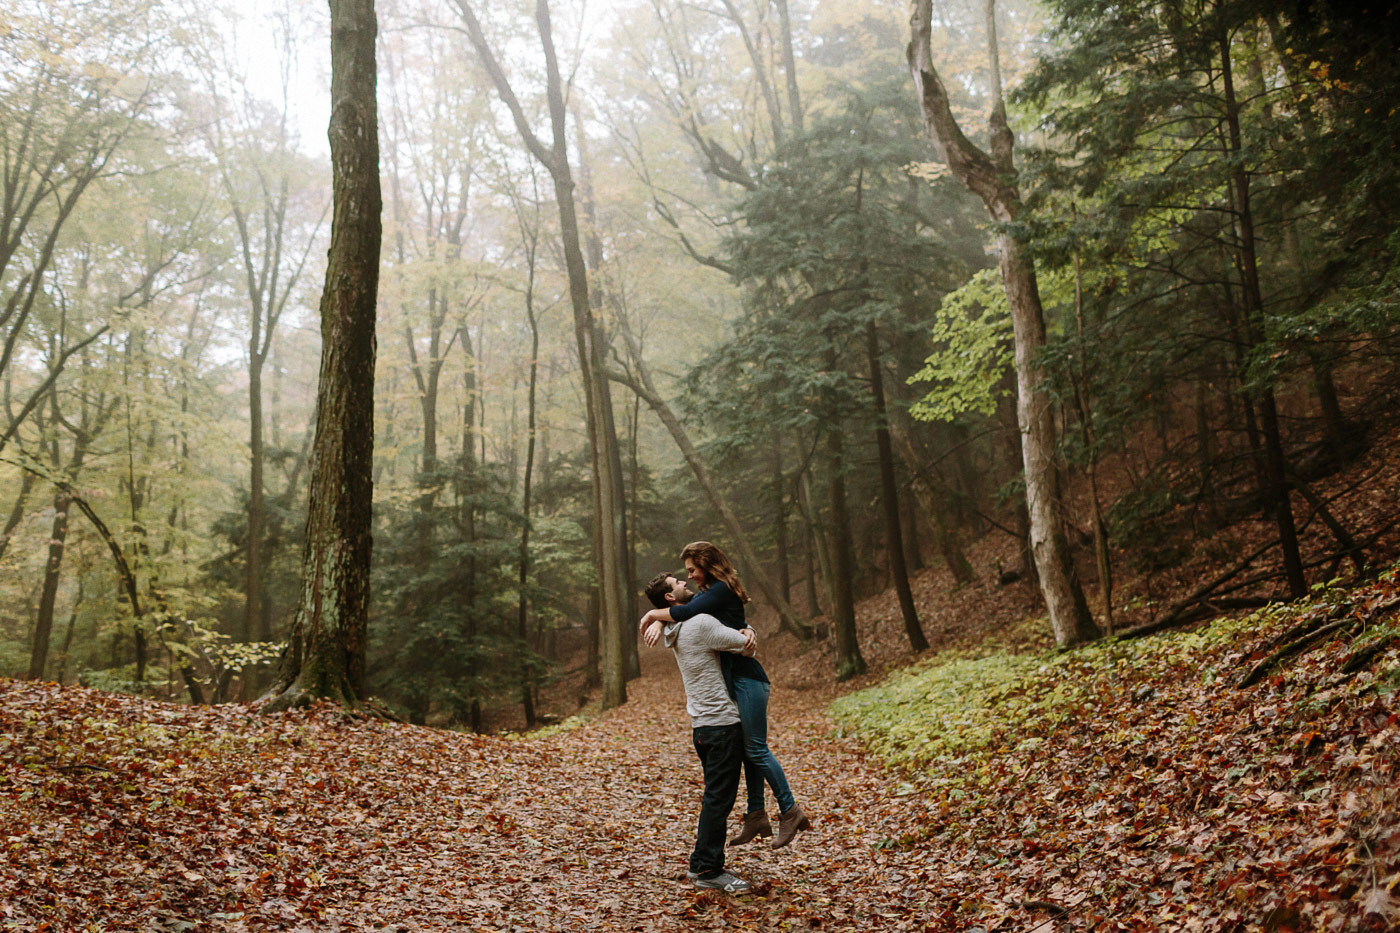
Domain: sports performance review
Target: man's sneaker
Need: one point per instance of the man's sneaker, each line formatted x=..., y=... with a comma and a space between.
x=725, y=882
x=691, y=875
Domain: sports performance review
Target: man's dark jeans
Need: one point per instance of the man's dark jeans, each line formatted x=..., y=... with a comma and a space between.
x=721, y=751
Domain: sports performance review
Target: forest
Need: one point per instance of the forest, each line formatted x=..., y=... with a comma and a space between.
x=380, y=353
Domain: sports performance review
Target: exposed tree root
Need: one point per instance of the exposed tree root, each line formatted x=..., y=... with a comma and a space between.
x=1359, y=659
x=1302, y=637
x=1294, y=647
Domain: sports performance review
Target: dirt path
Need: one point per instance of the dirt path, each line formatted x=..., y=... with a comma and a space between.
x=123, y=814
x=598, y=837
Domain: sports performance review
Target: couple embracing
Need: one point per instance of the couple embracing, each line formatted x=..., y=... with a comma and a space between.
x=726, y=693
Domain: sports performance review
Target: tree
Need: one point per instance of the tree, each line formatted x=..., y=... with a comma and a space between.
x=326, y=650
x=75, y=87
x=266, y=190
x=608, y=512
x=1208, y=225
x=992, y=176
x=645, y=389
x=836, y=242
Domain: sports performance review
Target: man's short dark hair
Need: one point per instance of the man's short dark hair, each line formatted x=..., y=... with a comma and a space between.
x=658, y=587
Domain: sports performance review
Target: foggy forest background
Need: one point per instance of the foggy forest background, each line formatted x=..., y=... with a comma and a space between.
x=804, y=349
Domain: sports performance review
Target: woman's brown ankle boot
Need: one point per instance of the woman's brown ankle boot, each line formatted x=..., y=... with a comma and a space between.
x=789, y=823
x=755, y=824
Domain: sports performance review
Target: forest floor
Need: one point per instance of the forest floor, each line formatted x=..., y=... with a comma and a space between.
x=1131, y=786
x=1154, y=794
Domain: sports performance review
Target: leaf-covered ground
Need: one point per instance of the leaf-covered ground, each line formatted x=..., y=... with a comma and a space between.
x=1133, y=787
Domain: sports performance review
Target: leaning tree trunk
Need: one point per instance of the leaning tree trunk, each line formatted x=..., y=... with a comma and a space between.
x=646, y=391
x=991, y=177
x=53, y=566
x=26, y=486
x=43, y=626
x=1274, y=460
x=326, y=652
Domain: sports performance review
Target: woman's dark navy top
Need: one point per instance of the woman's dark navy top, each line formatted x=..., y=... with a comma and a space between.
x=720, y=601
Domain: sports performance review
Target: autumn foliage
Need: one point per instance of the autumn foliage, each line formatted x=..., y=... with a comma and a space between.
x=1127, y=787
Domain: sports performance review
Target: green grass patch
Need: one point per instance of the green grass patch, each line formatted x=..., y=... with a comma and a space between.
x=948, y=716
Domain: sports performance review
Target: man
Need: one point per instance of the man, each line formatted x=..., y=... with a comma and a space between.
x=714, y=723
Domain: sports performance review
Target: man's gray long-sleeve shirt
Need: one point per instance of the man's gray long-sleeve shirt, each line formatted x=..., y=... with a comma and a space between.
x=694, y=644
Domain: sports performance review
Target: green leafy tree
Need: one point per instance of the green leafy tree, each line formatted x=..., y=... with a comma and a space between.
x=839, y=242
x=1181, y=170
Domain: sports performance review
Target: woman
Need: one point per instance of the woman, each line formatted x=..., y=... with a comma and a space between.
x=722, y=595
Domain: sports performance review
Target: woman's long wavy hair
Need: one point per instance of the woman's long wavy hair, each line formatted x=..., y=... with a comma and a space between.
x=716, y=566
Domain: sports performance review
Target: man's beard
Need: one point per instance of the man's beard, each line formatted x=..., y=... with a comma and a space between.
x=686, y=596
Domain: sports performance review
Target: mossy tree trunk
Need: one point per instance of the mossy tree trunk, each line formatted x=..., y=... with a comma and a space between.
x=326, y=651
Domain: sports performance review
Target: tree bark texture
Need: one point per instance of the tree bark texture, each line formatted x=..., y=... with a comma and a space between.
x=992, y=178
x=326, y=652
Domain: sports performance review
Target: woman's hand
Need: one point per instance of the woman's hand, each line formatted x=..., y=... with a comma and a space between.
x=651, y=632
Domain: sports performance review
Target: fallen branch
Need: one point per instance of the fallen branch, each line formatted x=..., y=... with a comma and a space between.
x=1302, y=637
x=1200, y=595
x=1207, y=609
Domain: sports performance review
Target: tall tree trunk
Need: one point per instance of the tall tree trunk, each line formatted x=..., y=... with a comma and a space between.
x=599, y=297
x=633, y=501
x=607, y=510
x=58, y=538
x=469, y=484
x=1081, y=398
x=43, y=623
x=894, y=538
x=1254, y=308
x=65, y=651
x=257, y=506
x=522, y=631
x=780, y=521
x=992, y=177
x=326, y=651
x=849, y=662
